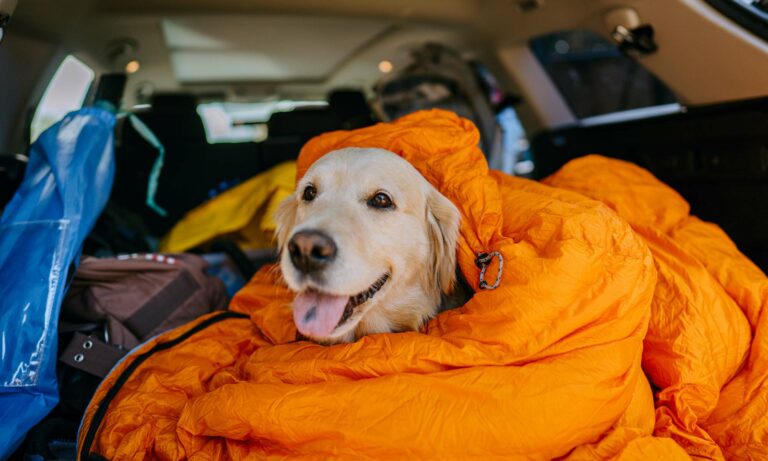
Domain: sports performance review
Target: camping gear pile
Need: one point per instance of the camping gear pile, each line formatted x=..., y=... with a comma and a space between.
x=622, y=328
x=68, y=180
x=116, y=288
x=88, y=312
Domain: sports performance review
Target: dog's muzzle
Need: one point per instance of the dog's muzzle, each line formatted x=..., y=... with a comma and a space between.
x=318, y=314
x=311, y=251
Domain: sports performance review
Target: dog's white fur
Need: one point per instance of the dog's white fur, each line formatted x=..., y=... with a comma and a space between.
x=415, y=242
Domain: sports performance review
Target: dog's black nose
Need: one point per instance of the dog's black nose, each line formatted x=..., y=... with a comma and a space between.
x=311, y=250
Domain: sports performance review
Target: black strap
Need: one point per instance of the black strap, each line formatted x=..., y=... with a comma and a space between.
x=155, y=311
x=243, y=264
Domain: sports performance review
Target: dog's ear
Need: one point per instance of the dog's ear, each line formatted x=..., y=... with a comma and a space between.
x=443, y=225
x=285, y=218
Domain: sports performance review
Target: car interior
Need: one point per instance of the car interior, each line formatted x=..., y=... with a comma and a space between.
x=229, y=89
x=691, y=108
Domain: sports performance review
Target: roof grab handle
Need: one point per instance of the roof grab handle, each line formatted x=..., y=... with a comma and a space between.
x=632, y=37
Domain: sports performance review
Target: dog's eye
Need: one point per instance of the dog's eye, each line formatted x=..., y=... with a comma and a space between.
x=310, y=192
x=381, y=201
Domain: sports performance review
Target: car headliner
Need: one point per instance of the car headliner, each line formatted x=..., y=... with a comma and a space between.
x=241, y=50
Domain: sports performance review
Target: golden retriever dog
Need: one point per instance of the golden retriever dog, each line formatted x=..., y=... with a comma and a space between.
x=367, y=244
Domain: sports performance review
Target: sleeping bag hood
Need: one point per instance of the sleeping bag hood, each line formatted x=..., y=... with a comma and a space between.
x=548, y=364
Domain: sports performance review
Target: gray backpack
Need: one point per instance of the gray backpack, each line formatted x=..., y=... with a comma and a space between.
x=438, y=77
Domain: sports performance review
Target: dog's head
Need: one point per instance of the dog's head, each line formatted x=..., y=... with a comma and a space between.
x=368, y=245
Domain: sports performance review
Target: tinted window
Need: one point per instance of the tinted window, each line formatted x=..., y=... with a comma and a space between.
x=594, y=77
x=234, y=122
x=752, y=14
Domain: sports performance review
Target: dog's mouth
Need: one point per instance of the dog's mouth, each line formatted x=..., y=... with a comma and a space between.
x=317, y=314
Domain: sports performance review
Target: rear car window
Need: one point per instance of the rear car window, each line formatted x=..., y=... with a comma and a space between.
x=235, y=122
x=65, y=92
x=594, y=77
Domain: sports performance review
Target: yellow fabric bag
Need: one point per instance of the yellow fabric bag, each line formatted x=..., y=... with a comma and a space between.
x=244, y=213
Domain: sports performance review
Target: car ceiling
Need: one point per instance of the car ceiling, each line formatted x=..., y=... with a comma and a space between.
x=263, y=48
x=237, y=49
x=246, y=50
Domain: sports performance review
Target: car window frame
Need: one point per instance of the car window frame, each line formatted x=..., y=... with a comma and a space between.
x=632, y=113
x=747, y=16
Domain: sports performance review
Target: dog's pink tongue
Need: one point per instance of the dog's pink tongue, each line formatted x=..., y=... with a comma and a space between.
x=316, y=315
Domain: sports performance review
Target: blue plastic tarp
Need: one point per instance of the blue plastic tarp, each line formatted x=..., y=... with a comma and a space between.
x=66, y=185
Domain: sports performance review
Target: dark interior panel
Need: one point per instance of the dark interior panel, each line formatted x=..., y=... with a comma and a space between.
x=715, y=156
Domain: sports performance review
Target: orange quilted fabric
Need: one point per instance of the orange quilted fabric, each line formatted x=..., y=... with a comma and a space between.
x=606, y=279
x=707, y=342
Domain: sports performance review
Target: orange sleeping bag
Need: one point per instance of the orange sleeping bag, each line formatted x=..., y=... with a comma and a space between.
x=606, y=279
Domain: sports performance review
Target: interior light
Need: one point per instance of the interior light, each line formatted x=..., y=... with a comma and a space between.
x=132, y=66
x=386, y=66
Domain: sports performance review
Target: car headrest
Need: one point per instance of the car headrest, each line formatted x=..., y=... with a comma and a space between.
x=348, y=103
x=303, y=122
x=174, y=102
x=173, y=116
x=352, y=108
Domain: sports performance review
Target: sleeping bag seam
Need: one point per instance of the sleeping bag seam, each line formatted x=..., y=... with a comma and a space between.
x=100, y=413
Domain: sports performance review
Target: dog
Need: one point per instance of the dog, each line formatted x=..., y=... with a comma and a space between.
x=368, y=246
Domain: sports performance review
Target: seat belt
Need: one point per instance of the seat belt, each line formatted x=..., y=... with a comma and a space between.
x=154, y=176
